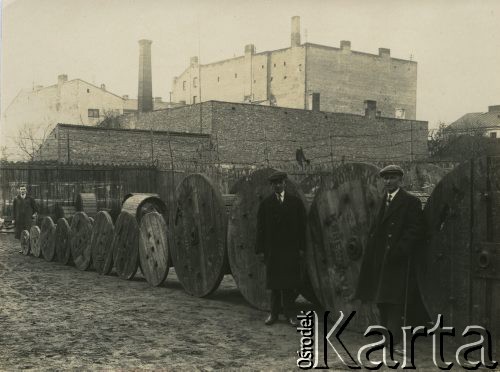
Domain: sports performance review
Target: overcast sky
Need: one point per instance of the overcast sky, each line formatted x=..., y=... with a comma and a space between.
x=455, y=42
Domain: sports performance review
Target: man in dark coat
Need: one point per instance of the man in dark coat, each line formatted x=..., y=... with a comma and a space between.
x=25, y=211
x=281, y=240
x=387, y=277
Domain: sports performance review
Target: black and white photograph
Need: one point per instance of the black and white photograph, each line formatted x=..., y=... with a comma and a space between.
x=261, y=185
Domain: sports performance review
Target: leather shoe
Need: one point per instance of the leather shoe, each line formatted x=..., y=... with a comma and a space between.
x=292, y=322
x=271, y=319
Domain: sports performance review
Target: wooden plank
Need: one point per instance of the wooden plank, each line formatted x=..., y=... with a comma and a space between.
x=25, y=242
x=35, y=241
x=199, y=250
x=248, y=272
x=153, y=248
x=102, y=239
x=48, y=239
x=344, y=208
x=126, y=245
x=63, y=239
x=81, y=236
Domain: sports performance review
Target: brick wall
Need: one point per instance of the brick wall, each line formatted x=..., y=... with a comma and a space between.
x=246, y=134
x=93, y=145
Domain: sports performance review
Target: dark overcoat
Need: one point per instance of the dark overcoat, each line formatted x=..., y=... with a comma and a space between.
x=281, y=236
x=395, y=237
x=23, y=213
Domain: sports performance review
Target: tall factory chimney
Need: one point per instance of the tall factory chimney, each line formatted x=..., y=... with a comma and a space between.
x=295, y=31
x=145, y=94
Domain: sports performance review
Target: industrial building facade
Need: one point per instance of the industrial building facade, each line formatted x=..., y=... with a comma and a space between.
x=232, y=135
x=305, y=76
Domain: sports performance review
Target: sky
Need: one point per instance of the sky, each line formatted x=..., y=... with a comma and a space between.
x=455, y=42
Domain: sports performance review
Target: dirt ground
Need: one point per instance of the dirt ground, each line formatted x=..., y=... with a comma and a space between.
x=55, y=317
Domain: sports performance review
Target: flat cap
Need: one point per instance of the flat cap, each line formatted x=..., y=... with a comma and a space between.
x=277, y=176
x=391, y=169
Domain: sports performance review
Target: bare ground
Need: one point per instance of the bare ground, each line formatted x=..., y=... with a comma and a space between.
x=55, y=317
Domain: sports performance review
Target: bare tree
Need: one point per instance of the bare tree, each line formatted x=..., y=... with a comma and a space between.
x=4, y=154
x=109, y=119
x=29, y=139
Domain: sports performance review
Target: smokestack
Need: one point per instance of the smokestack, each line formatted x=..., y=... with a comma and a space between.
x=145, y=94
x=61, y=79
x=295, y=31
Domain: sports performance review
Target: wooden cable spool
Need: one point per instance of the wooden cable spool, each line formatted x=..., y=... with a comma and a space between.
x=125, y=245
x=340, y=216
x=35, y=241
x=64, y=211
x=248, y=272
x=48, y=239
x=199, y=227
x=140, y=204
x=153, y=248
x=81, y=235
x=459, y=272
x=86, y=202
x=63, y=241
x=25, y=242
x=101, y=243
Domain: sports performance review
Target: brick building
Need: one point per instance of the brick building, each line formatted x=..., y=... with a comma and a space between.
x=305, y=76
x=245, y=135
x=68, y=101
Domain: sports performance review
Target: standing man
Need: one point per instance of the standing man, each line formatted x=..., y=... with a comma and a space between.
x=387, y=277
x=25, y=211
x=281, y=240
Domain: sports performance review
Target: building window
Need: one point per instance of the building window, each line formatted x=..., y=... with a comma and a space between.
x=400, y=113
x=195, y=82
x=235, y=76
x=271, y=79
x=194, y=99
x=284, y=63
x=88, y=90
x=300, y=67
x=493, y=134
x=93, y=113
x=218, y=78
x=184, y=85
x=262, y=67
x=254, y=81
x=275, y=65
x=284, y=77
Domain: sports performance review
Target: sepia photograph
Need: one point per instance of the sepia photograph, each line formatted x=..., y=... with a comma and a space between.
x=249, y=185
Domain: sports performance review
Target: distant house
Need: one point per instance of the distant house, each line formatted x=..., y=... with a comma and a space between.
x=68, y=101
x=478, y=123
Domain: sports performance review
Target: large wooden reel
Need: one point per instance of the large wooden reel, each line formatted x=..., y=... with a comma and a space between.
x=63, y=241
x=48, y=239
x=339, y=220
x=199, y=249
x=81, y=235
x=102, y=239
x=248, y=272
x=25, y=242
x=126, y=245
x=153, y=248
x=64, y=211
x=86, y=202
x=141, y=204
x=459, y=272
x=35, y=241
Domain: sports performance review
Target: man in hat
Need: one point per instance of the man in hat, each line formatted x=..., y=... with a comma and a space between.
x=387, y=277
x=281, y=240
x=25, y=211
